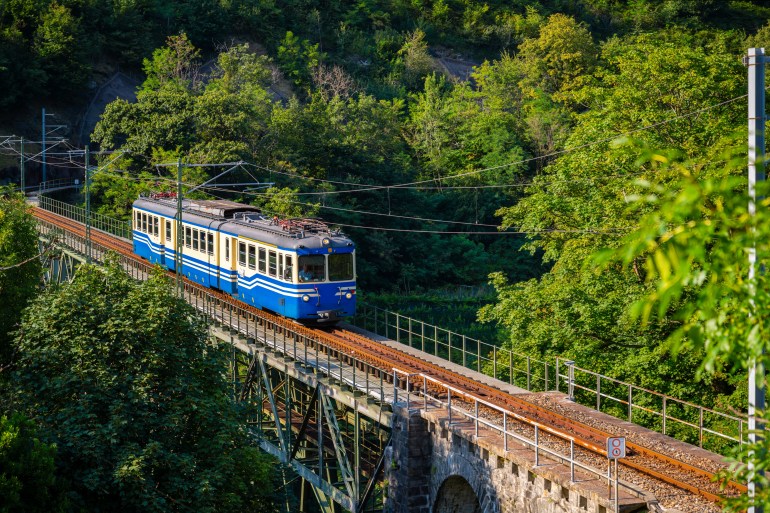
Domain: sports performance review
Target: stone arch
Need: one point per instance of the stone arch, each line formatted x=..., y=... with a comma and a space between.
x=456, y=495
x=472, y=470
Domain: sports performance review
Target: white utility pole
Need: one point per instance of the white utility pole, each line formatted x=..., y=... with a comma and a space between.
x=756, y=63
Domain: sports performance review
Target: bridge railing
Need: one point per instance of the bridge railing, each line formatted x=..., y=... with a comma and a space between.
x=686, y=421
x=516, y=369
x=466, y=408
x=58, y=183
x=101, y=222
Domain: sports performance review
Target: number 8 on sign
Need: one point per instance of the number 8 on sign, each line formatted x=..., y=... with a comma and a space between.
x=616, y=448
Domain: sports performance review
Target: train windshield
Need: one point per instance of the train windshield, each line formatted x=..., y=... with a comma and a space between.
x=341, y=267
x=312, y=268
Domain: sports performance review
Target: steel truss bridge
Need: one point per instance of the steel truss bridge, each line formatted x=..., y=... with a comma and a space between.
x=325, y=415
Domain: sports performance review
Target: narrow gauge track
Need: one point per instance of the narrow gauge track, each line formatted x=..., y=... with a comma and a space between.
x=350, y=344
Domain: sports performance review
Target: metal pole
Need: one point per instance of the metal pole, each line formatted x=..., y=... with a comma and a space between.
x=617, y=478
x=179, y=229
x=21, y=152
x=756, y=64
x=43, y=152
x=88, y=206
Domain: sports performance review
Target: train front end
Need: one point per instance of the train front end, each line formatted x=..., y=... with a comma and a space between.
x=326, y=274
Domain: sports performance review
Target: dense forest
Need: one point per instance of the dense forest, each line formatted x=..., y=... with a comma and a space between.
x=585, y=138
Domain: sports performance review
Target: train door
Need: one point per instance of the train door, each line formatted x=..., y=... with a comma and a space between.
x=168, y=242
x=231, y=248
x=241, y=269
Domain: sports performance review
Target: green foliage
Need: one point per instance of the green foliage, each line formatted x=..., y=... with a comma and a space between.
x=27, y=472
x=284, y=203
x=579, y=205
x=693, y=245
x=298, y=58
x=136, y=399
x=560, y=59
x=175, y=65
x=20, y=271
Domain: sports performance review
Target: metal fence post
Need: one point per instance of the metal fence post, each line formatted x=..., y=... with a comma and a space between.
x=556, y=365
x=529, y=374
x=449, y=404
x=571, y=379
x=599, y=395
x=700, y=426
x=410, y=332
x=395, y=387
x=630, y=411
x=505, y=432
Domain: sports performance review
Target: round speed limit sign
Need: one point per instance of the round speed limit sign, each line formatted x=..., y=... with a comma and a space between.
x=616, y=448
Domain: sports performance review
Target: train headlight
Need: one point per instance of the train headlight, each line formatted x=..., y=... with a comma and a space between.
x=305, y=298
x=348, y=295
x=326, y=241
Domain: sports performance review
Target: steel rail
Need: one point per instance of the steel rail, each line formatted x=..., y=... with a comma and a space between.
x=554, y=419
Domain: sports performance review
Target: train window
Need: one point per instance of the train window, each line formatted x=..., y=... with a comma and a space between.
x=242, y=254
x=312, y=268
x=155, y=225
x=211, y=243
x=144, y=222
x=137, y=220
x=168, y=231
x=271, y=263
x=341, y=267
x=263, y=260
x=187, y=237
x=252, y=257
x=280, y=266
x=288, y=266
x=202, y=236
x=227, y=249
x=195, y=239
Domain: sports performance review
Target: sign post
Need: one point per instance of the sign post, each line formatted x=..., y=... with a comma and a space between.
x=616, y=449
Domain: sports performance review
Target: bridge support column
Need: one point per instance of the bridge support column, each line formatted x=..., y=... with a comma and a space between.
x=409, y=468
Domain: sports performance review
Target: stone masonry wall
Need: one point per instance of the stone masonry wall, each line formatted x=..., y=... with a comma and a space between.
x=426, y=452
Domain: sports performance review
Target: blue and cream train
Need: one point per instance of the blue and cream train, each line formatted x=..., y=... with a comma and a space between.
x=298, y=268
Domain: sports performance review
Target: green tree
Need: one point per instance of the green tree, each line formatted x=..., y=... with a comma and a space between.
x=57, y=44
x=135, y=397
x=578, y=206
x=284, y=203
x=298, y=58
x=177, y=64
x=20, y=270
x=560, y=58
x=693, y=247
x=27, y=470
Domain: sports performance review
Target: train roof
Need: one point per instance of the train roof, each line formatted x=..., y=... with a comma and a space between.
x=249, y=221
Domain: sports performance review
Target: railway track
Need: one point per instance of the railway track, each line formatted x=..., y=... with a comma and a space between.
x=643, y=461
